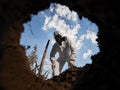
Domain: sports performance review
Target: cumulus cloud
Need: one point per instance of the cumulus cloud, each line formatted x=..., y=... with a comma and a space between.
x=57, y=20
x=89, y=36
x=87, y=54
x=52, y=41
x=64, y=11
x=47, y=61
x=47, y=65
x=60, y=25
x=47, y=19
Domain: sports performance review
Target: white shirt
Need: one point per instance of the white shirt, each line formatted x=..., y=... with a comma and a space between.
x=66, y=51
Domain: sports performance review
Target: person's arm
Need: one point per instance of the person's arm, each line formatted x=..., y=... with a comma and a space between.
x=53, y=52
x=73, y=51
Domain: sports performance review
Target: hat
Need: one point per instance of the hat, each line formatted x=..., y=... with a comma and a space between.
x=57, y=33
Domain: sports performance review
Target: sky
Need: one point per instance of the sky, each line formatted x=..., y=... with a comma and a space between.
x=40, y=28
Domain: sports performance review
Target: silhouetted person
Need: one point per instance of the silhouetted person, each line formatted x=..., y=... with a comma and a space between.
x=66, y=52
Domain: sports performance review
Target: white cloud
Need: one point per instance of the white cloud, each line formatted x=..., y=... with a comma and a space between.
x=49, y=76
x=73, y=16
x=47, y=61
x=47, y=20
x=90, y=36
x=47, y=67
x=52, y=8
x=52, y=41
x=64, y=11
x=87, y=54
x=60, y=24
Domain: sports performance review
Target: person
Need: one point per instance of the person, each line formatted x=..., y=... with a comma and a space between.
x=66, y=53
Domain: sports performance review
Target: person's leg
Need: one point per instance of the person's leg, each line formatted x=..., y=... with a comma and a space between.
x=61, y=64
x=71, y=63
x=55, y=68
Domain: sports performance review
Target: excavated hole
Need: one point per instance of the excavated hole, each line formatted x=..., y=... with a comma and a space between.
x=41, y=27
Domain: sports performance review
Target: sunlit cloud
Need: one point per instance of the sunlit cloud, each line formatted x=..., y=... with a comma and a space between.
x=64, y=11
x=47, y=19
x=48, y=62
x=92, y=36
x=87, y=54
x=52, y=41
x=89, y=36
x=46, y=67
x=60, y=24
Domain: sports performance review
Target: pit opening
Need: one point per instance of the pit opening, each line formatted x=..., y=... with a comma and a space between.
x=58, y=17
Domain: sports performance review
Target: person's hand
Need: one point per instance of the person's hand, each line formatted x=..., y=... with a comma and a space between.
x=72, y=62
x=53, y=65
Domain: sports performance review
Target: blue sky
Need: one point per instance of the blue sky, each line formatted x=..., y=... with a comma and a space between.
x=58, y=17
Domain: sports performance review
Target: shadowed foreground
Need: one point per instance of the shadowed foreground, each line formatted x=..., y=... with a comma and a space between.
x=102, y=74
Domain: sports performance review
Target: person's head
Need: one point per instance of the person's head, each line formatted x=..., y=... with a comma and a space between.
x=57, y=36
